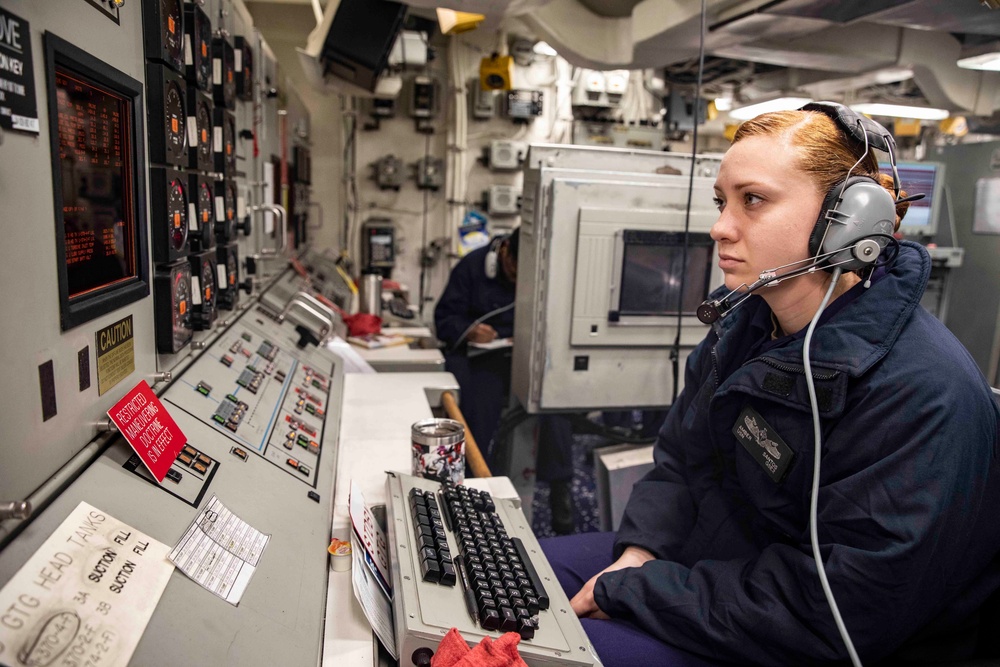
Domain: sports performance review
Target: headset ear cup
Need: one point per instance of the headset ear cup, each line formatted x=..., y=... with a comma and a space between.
x=491, y=264
x=816, y=237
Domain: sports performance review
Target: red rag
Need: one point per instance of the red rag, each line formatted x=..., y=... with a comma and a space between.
x=454, y=652
x=362, y=324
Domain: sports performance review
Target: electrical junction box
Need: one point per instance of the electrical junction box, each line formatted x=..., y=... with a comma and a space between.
x=503, y=200
x=389, y=173
x=505, y=155
x=423, y=97
x=590, y=90
x=523, y=105
x=430, y=173
x=615, y=85
x=481, y=102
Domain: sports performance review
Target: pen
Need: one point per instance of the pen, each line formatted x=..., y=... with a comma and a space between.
x=470, y=600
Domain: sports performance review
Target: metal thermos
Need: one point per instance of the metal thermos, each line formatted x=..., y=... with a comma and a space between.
x=371, y=294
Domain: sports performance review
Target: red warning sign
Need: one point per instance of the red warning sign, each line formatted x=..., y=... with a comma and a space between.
x=148, y=428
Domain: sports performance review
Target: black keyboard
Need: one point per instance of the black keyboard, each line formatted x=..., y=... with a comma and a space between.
x=495, y=568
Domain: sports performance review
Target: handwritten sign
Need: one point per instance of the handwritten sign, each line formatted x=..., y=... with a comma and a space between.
x=148, y=428
x=85, y=597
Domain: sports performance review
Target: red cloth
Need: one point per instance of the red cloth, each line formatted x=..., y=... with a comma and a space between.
x=454, y=652
x=362, y=324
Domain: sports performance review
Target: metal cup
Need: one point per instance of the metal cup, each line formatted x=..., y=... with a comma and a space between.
x=439, y=450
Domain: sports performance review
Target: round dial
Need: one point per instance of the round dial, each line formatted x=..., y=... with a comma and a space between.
x=232, y=274
x=228, y=140
x=181, y=302
x=173, y=111
x=247, y=70
x=170, y=13
x=207, y=286
x=205, y=201
x=177, y=211
x=230, y=203
x=229, y=83
x=204, y=120
x=203, y=73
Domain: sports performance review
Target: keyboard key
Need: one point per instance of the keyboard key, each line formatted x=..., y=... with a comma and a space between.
x=536, y=582
x=508, y=622
x=490, y=620
x=430, y=570
x=525, y=628
x=448, y=574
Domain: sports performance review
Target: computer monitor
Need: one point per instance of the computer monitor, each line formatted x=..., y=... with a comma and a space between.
x=653, y=265
x=921, y=219
x=360, y=38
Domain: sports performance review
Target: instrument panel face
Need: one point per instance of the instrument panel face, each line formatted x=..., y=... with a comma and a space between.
x=243, y=53
x=203, y=291
x=169, y=212
x=172, y=298
x=167, y=106
x=225, y=211
x=201, y=201
x=224, y=141
x=164, y=32
x=200, y=137
x=198, y=47
x=227, y=258
x=261, y=397
x=223, y=73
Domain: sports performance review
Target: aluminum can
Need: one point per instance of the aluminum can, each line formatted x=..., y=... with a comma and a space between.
x=439, y=450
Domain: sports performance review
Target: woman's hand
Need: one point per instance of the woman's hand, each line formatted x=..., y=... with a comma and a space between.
x=583, y=602
x=482, y=333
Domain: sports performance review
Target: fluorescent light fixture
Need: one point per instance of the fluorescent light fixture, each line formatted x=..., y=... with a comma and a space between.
x=779, y=104
x=899, y=111
x=543, y=49
x=987, y=61
x=723, y=103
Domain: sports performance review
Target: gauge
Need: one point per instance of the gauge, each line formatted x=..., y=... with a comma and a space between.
x=168, y=198
x=172, y=304
x=227, y=271
x=173, y=111
x=223, y=73
x=199, y=58
x=202, y=198
x=224, y=130
x=164, y=32
x=200, y=130
x=167, y=106
x=225, y=211
x=177, y=214
x=203, y=290
x=243, y=54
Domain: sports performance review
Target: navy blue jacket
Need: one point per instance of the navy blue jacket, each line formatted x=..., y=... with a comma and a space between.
x=909, y=492
x=469, y=295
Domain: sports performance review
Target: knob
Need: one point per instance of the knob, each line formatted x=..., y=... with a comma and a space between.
x=15, y=509
x=251, y=264
x=246, y=285
x=244, y=226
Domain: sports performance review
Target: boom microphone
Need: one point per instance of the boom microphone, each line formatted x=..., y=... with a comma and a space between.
x=866, y=251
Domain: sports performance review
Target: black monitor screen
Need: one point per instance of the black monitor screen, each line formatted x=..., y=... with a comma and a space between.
x=917, y=178
x=652, y=266
x=95, y=164
x=360, y=39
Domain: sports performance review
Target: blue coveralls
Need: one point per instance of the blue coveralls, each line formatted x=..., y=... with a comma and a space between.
x=485, y=378
x=909, y=494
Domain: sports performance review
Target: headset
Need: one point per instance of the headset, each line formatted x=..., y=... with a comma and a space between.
x=492, y=256
x=855, y=222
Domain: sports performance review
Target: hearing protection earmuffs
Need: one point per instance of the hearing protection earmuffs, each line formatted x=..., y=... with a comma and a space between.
x=492, y=257
x=857, y=207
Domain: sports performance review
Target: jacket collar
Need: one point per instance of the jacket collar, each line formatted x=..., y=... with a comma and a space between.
x=860, y=335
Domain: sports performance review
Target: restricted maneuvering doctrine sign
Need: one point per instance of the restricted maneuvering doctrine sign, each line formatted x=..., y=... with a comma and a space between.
x=148, y=428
